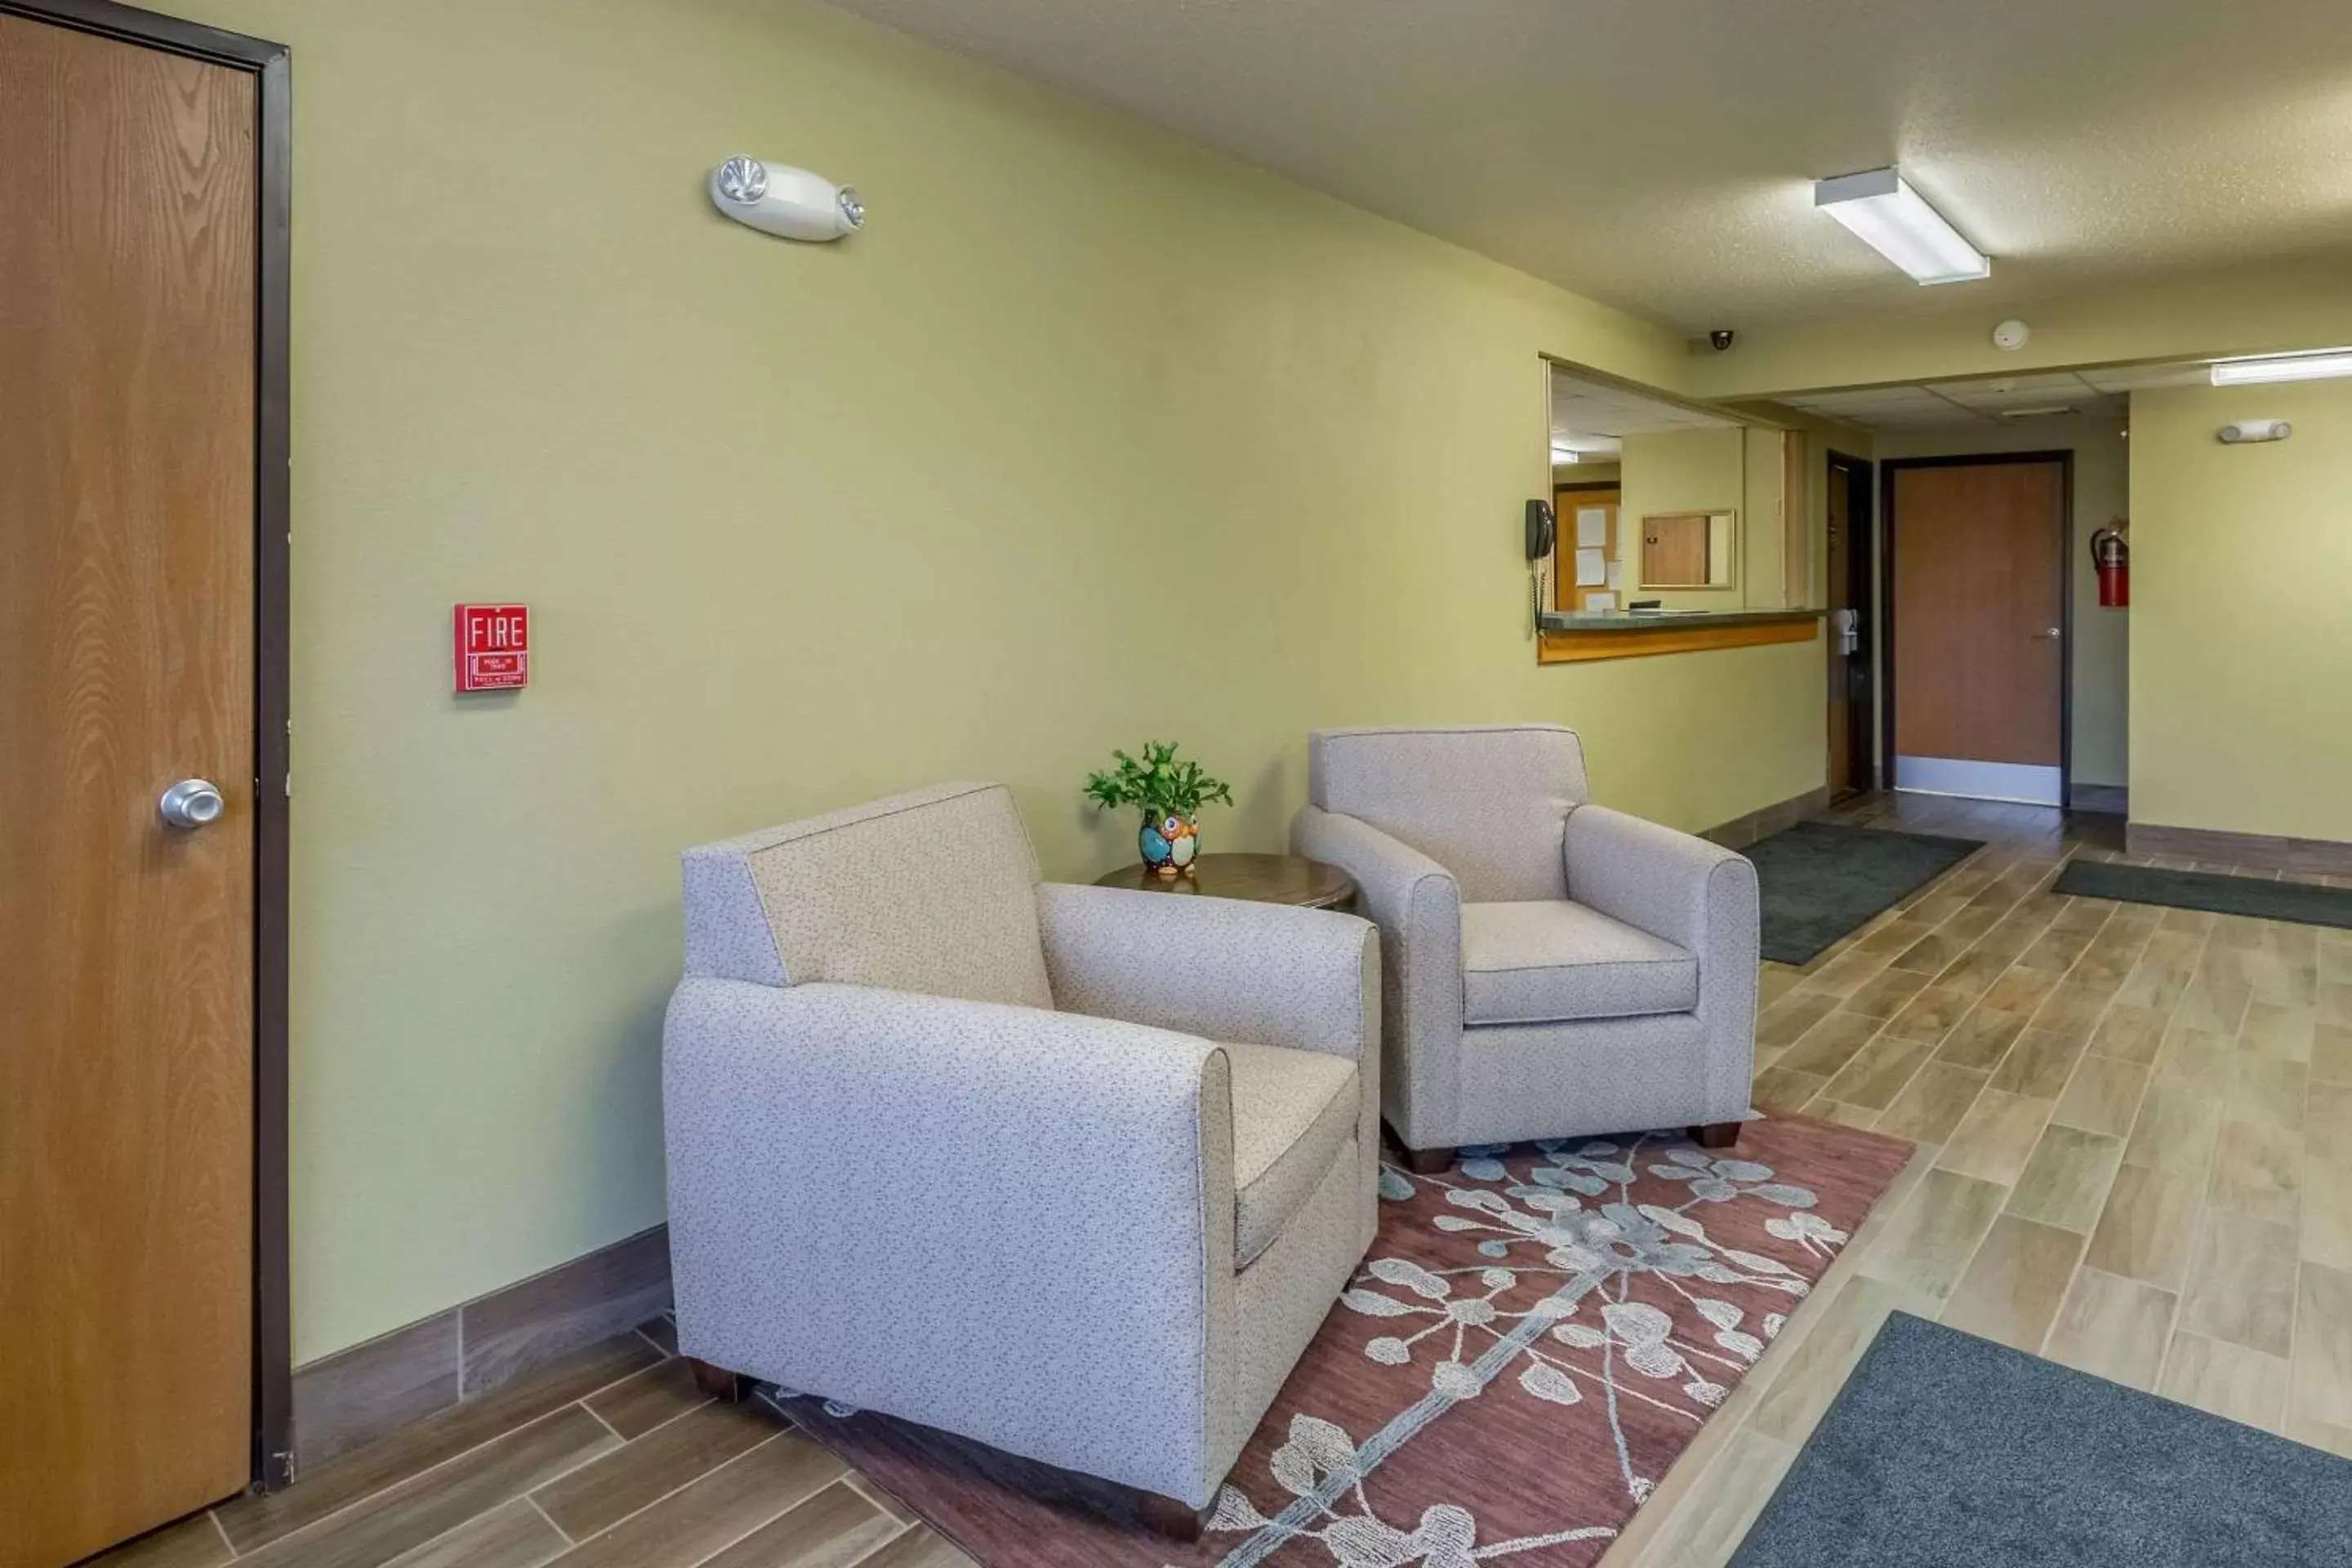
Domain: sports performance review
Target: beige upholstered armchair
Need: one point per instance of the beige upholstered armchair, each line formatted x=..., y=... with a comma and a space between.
x=1074, y=1172
x=1553, y=967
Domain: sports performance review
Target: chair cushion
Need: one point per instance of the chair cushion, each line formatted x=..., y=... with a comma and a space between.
x=1554, y=963
x=1294, y=1111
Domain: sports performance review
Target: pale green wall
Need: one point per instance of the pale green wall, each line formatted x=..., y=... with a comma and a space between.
x=1820, y=438
x=1677, y=471
x=1763, y=538
x=1736, y=470
x=2102, y=639
x=2242, y=568
x=1092, y=436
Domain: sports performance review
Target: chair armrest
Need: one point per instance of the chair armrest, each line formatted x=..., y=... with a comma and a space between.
x=1264, y=974
x=1014, y=1224
x=1417, y=904
x=1689, y=891
x=1670, y=884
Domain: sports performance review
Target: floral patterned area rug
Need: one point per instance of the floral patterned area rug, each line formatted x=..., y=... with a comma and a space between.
x=1532, y=1340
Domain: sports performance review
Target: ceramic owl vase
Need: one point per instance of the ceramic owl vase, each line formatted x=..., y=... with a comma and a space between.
x=1168, y=844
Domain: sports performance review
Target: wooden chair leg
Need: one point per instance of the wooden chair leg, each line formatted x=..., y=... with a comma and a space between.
x=1166, y=1516
x=718, y=1383
x=1718, y=1134
x=1429, y=1161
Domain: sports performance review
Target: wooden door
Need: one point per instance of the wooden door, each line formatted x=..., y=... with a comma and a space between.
x=1566, y=502
x=127, y=259
x=1979, y=559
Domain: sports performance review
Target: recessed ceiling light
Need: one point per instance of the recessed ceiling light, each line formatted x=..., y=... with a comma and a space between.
x=1881, y=208
x=1562, y=457
x=2047, y=411
x=2283, y=367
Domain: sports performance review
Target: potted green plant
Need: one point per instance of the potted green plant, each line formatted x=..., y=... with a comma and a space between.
x=1171, y=793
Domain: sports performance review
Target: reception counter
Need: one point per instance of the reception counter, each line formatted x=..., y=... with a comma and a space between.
x=1625, y=634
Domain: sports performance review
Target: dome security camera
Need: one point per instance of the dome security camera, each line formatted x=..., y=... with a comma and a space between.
x=778, y=199
x=1721, y=338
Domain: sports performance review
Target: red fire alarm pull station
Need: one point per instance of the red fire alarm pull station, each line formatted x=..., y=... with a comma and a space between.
x=493, y=648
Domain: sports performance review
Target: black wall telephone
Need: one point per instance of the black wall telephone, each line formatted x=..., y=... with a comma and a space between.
x=1543, y=530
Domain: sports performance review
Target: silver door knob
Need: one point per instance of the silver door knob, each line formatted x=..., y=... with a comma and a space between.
x=191, y=803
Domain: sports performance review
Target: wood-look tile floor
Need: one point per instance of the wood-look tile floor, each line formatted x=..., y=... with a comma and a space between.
x=2135, y=1131
x=609, y=1459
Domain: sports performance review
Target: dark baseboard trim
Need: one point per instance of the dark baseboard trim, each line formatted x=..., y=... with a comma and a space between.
x=2113, y=799
x=1742, y=831
x=371, y=1390
x=2265, y=851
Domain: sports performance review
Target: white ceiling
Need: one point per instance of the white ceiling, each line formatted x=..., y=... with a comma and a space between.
x=1659, y=154
x=1592, y=417
x=1997, y=400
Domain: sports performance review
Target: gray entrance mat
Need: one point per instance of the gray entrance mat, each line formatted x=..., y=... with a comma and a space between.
x=1819, y=881
x=2207, y=891
x=1948, y=1451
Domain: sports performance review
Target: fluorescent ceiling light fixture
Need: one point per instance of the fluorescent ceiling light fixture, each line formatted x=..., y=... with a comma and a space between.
x=2283, y=367
x=1562, y=456
x=1894, y=220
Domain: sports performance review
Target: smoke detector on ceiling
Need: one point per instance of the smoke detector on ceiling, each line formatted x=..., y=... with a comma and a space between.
x=2011, y=335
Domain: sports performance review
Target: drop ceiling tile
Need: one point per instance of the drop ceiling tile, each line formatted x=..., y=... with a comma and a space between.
x=2140, y=377
x=1884, y=406
x=1590, y=408
x=2079, y=399
x=1994, y=400
x=2049, y=382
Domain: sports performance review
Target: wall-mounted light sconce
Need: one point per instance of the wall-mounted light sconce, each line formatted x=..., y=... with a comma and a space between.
x=776, y=198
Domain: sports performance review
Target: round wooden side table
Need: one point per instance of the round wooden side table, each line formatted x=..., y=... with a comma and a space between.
x=1258, y=878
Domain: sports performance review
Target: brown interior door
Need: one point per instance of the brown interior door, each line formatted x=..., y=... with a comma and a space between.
x=1565, y=504
x=1980, y=574
x=127, y=247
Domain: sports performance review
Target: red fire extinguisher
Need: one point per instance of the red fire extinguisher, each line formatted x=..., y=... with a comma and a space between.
x=2111, y=553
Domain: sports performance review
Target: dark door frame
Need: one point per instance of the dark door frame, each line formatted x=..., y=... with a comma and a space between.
x=271, y=64
x=2064, y=458
x=1862, y=538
